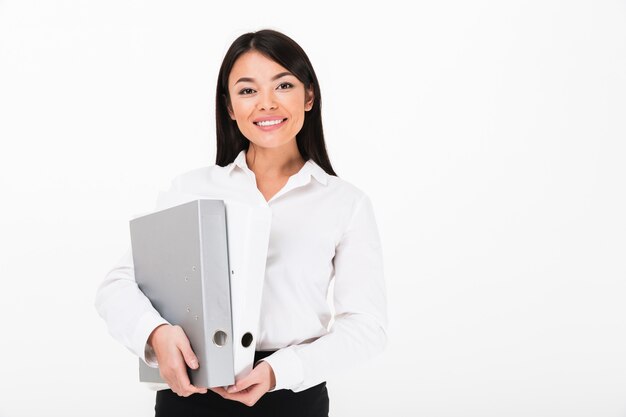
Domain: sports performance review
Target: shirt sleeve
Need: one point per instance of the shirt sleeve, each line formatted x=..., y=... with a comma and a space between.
x=359, y=331
x=128, y=313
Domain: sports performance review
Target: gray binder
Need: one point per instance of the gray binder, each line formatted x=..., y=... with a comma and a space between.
x=180, y=256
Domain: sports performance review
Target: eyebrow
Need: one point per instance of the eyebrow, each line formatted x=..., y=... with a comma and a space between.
x=274, y=78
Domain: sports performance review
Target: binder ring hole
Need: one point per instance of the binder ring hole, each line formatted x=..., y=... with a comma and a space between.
x=219, y=338
x=246, y=340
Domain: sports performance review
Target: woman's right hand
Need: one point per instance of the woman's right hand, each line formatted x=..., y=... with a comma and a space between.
x=173, y=351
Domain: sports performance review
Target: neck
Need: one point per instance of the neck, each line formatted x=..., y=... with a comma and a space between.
x=274, y=162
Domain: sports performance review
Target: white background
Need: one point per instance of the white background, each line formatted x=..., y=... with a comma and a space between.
x=490, y=136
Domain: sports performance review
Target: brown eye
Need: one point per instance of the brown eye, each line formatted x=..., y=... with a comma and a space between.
x=246, y=91
x=284, y=86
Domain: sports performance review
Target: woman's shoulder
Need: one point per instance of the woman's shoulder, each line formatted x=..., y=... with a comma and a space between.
x=347, y=188
x=335, y=184
x=197, y=179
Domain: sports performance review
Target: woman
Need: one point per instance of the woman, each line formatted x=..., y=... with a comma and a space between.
x=271, y=151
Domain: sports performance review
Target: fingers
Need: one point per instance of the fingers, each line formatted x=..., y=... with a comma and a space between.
x=182, y=385
x=248, y=390
x=261, y=374
x=245, y=382
x=219, y=390
x=242, y=385
x=190, y=358
x=248, y=396
x=173, y=352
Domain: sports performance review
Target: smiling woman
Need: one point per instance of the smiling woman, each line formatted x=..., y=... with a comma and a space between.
x=267, y=101
x=271, y=153
x=289, y=69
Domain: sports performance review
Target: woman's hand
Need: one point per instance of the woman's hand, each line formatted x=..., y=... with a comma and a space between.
x=173, y=350
x=250, y=389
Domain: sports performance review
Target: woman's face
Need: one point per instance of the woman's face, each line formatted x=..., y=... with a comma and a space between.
x=266, y=100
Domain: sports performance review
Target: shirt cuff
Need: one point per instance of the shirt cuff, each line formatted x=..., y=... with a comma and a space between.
x=147, y=323
x=287, y=368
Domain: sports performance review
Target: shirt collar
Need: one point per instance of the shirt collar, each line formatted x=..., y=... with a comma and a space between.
x=240, y=161
x=309, y=168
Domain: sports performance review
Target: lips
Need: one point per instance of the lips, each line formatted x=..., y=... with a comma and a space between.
x=270, y=121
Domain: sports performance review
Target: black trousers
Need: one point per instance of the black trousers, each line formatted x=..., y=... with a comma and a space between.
x=312, y=402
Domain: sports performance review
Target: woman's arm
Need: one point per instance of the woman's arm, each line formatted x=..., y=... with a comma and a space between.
x=129, y=315
x=359, y=331
x=133, y=321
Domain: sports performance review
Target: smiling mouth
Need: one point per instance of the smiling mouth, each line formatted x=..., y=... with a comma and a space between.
x=269, y=122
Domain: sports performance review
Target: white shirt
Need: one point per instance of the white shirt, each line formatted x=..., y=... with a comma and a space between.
x=322, y=228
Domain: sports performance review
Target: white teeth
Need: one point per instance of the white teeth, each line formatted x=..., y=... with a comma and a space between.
x=269, y=122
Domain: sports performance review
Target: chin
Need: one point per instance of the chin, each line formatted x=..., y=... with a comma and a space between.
x=270, y=144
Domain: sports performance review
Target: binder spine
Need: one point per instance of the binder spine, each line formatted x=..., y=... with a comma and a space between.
x=216, y=293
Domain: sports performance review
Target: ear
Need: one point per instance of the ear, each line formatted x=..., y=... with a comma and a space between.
x=309, y=98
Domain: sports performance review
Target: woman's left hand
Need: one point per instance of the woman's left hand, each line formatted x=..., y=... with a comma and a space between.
x=250, y=389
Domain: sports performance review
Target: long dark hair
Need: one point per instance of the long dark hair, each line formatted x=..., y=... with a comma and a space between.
x=286, y=52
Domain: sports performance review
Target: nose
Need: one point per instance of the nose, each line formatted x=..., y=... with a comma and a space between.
x=267, y=101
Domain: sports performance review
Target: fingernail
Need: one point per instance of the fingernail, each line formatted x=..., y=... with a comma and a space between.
x=194, y=364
